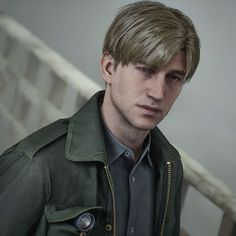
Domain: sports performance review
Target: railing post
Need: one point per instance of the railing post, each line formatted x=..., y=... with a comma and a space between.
x=184, y=192
x=227, y=227
x=183, y=232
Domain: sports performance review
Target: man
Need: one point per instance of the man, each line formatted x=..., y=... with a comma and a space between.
x=108, y=170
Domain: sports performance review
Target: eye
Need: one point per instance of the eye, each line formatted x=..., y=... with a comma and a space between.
x=176, y=78
x=145, y=70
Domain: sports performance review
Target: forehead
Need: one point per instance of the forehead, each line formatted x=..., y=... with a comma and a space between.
x=178, y=62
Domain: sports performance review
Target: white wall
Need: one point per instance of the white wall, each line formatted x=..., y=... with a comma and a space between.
x=2, y=4
x=203, y=119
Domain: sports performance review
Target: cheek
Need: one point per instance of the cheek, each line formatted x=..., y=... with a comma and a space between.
x=117, y=94
x=121, y=87
x=178, y=93
x=172, y=97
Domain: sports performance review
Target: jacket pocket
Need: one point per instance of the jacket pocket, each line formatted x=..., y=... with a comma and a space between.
x=72, y=220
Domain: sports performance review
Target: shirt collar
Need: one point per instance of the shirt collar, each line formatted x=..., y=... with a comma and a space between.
x=115, y=148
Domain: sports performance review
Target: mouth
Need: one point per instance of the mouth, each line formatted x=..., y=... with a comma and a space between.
x=150, y=110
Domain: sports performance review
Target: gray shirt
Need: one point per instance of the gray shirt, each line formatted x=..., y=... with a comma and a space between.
x=134, y=185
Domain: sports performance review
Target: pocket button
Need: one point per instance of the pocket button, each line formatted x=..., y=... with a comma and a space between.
x=85, y=222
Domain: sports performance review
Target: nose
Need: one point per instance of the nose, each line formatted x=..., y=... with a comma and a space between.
x=157, y=87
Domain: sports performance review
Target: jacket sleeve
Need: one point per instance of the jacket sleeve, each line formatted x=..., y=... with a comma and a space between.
x=24, y=191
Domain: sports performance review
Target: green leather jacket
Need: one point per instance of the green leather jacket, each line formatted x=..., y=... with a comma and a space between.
x=59, y=172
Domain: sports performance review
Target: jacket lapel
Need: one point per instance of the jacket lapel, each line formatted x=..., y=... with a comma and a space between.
x=85, y=140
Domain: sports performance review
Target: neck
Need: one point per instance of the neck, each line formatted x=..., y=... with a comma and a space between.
x=123, y=130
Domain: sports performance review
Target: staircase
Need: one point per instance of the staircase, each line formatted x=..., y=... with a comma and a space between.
x=38, y=86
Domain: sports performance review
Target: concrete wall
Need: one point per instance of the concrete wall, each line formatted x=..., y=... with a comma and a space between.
x=203, y=119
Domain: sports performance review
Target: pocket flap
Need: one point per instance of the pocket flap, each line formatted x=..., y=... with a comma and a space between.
x=59, y=213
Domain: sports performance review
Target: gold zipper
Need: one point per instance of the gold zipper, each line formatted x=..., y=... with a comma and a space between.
x=169, y=179
x=113, y=198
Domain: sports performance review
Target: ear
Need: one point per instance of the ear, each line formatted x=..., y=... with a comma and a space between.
x=107, y=67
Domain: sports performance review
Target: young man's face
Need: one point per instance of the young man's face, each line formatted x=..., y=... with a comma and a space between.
x=141, y=98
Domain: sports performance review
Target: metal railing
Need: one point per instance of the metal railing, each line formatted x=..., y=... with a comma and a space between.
x=15, y=40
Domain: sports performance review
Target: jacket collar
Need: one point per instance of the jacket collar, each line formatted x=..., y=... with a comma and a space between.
x=85, y=139
x=161, y=150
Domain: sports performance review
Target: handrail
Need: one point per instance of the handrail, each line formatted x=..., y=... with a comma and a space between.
x=51, y=58
x=206, y=183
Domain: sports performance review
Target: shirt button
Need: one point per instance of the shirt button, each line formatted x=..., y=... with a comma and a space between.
x=133, y=179
x=131, y=229
x=127, y=154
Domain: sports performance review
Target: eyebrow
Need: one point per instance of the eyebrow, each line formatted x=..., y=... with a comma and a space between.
x=179, y=72
x=174, y=71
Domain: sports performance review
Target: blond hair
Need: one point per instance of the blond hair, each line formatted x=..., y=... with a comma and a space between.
x=151, y=33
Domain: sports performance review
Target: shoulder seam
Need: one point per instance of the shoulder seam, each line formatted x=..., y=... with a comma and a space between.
x=41, y=138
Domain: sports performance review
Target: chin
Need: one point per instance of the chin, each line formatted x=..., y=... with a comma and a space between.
x=146, y=126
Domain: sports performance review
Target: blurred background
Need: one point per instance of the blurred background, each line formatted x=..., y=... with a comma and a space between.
x=202, y=122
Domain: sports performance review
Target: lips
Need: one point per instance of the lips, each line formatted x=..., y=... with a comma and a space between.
x=150, y=110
